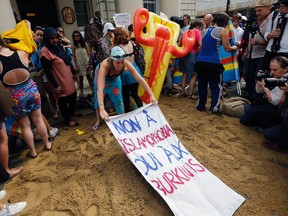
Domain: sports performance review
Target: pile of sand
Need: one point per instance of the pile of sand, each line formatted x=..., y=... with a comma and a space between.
x=90, y=175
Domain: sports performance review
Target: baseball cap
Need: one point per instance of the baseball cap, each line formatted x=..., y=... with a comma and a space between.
x=244, y=18
x=108, y=26
x=117, y=53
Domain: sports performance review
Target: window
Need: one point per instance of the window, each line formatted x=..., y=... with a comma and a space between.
x=81, y=12
x=150, y=5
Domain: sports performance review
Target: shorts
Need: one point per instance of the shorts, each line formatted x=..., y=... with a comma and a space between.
x=26, y=97
x=186, y=64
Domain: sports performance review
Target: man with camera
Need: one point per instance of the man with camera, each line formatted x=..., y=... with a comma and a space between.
x=277, y=34
x=268, y=115
x=255, y=51
x=278, y=135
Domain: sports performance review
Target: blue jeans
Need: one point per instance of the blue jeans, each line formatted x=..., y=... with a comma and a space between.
x=279, y=133
x=261, y=115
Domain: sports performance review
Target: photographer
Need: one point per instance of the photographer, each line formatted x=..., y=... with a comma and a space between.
x=277, y=34
x=278, y=135
x=255, y=51
x=267, y=115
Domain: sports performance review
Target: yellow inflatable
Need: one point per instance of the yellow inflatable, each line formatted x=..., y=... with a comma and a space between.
x=159, y=41
x=20, y=37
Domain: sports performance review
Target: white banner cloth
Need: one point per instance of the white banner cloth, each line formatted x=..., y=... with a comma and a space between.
x=187, y=186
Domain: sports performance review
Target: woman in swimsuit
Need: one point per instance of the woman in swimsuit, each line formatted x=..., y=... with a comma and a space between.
x=107, y=81
x=14, y=73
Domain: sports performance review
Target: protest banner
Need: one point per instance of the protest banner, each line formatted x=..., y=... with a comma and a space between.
x=122, y=19
x=153, y=147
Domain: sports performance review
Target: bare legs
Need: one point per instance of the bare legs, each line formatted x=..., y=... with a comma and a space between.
x=98, y=121
x=4, y=153
x=81, y=80
x=183, y=82
x=37, y=119
x=192, y=83
x=88, y=76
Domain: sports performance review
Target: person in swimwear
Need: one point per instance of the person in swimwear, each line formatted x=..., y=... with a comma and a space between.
x=107, y=81
x=14, y=73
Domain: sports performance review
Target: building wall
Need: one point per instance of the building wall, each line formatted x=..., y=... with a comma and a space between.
x=178, y=7
x=170, y=8
x=68, y=28
x=188, y=7
x=7, y=20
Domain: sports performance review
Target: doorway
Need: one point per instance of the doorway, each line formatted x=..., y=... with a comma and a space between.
x=39, y=12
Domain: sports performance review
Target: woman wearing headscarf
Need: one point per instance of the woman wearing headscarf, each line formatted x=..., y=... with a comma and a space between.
x=57, y=66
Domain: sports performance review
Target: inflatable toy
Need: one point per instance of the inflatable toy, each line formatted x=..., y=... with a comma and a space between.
x=159, y=40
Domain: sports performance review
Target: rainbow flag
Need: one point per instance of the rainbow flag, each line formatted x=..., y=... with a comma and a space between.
x=229, y=59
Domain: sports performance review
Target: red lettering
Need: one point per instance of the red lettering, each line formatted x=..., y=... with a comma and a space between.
x=202, y=169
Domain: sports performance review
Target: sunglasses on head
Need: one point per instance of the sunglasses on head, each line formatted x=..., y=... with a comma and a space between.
x=119, y=57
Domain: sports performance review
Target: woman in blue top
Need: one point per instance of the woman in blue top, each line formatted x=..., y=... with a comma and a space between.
x=208, y=66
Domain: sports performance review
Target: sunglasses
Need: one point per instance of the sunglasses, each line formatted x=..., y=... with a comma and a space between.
x=119, y=57
x=76, y=35
x=61, y=31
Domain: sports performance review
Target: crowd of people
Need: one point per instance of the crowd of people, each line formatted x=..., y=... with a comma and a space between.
x=105, y=55
x=261, y=45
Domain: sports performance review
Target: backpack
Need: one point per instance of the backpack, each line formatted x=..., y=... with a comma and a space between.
x=139, y=55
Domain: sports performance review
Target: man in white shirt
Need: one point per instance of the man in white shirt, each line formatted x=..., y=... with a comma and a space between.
x=277, y=34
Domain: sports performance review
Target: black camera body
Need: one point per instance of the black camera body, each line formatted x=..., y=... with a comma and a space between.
x=178, y=20
x=273, y=82
x=262, y=75
x=252, y=26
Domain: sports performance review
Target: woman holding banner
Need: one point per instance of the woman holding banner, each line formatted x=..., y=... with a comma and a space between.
x=107, y=81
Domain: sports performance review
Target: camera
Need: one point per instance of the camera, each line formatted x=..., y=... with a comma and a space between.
x=262, y=75
x=252, y=26
x=178, y=20
x=273, y=82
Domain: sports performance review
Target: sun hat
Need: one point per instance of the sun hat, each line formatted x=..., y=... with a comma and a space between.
x=264, y=3
x=117, y=53
x=108, y=26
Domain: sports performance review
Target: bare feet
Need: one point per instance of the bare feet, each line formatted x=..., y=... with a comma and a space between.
x=15, y=171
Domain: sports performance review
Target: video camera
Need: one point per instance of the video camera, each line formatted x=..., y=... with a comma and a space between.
x=273, y=82
x=262, y=75
x=178, y=20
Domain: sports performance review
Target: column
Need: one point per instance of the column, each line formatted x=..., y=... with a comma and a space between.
x=7, y=20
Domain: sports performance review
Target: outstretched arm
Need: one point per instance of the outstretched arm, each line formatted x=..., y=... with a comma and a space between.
x=100, y=90
x=141, y=81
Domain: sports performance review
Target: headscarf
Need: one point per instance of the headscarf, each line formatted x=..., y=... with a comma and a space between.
x=57, y=50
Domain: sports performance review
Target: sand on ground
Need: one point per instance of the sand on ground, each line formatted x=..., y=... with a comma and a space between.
x=90, y=175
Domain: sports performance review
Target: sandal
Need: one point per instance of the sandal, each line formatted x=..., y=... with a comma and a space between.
x=95, y=127
x=182, y=95
x=31, y=156
x=49, y=149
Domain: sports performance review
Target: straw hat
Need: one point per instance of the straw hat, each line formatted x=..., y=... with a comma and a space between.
x=264, y=3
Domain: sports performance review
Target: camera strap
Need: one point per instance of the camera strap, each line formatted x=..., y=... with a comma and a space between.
x=281, y=23
x=275, y=13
